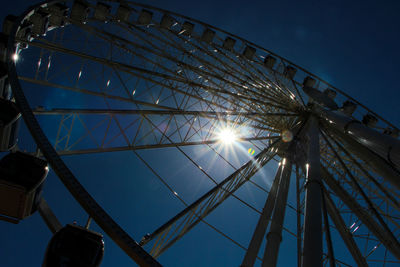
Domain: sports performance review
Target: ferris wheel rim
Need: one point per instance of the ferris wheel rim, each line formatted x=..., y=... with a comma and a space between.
x=120, y=237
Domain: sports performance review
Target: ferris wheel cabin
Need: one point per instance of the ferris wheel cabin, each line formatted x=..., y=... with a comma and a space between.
x=74, y=246
x=21, y=183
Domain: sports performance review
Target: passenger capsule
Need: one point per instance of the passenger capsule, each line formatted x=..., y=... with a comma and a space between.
x=21, y=182
x=269, y=61
x=229, y=43
x=348, y=108
x=309, y=82
x=123, y=13
x=102, y=11
x=187, y=28
x=330, y=93
x=74, y=246
x=166, y=21
x=80, y=11
x=289, y=72
x=24, y=34
x=208, y=36
x=249, y=52
x=58, y=13
x=391, y=131
x=145, y=17
x=40, y=22
x=369, y=120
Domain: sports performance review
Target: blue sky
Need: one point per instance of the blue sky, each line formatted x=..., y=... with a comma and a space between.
x=351, y=44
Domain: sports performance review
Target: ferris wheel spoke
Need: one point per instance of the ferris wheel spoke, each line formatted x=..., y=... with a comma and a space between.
x=210, y=107
x=205, y=114
x=150, y=103
x=371, y=206
x=191, y=68
x=178, y=34
x=387, y=196
x=141, y=147
x=365, y=173
x=297, y=92
x=101, y=94
x=136, y=126
x=90, y=92
x=180, y=63
x=344, y=232
x=203, y=63
x=377, y=212
x=262, y=85
x=144, y=73
x=255, y=122
x=175, y=194
x=250, y=74
x=189, y=217
x=374, y=161
x=283, y=81
x=384, y=235
x=243, y=85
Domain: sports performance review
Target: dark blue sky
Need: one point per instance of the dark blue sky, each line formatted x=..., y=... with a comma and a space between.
x=353, y=45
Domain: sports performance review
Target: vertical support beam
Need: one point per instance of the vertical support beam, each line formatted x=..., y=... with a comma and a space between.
x=274, y=236
x=298, y=216
x=256, y=240
x=312, y=246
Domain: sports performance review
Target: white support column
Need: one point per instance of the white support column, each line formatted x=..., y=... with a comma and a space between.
x=259, y=232
x=312, y=243
x=274, y=236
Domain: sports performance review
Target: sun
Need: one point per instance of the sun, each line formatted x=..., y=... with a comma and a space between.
x=227, y=136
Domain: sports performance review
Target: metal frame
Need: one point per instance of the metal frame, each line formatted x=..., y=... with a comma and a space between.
x=184, y=89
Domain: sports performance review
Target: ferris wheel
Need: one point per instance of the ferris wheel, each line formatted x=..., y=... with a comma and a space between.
x=177, y=99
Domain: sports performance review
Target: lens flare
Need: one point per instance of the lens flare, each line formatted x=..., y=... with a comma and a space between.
x=251, y=151
x=287, y=136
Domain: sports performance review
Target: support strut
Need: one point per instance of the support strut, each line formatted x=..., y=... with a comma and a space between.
x=312, y=246
x=274, y=236
x=256, y=240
